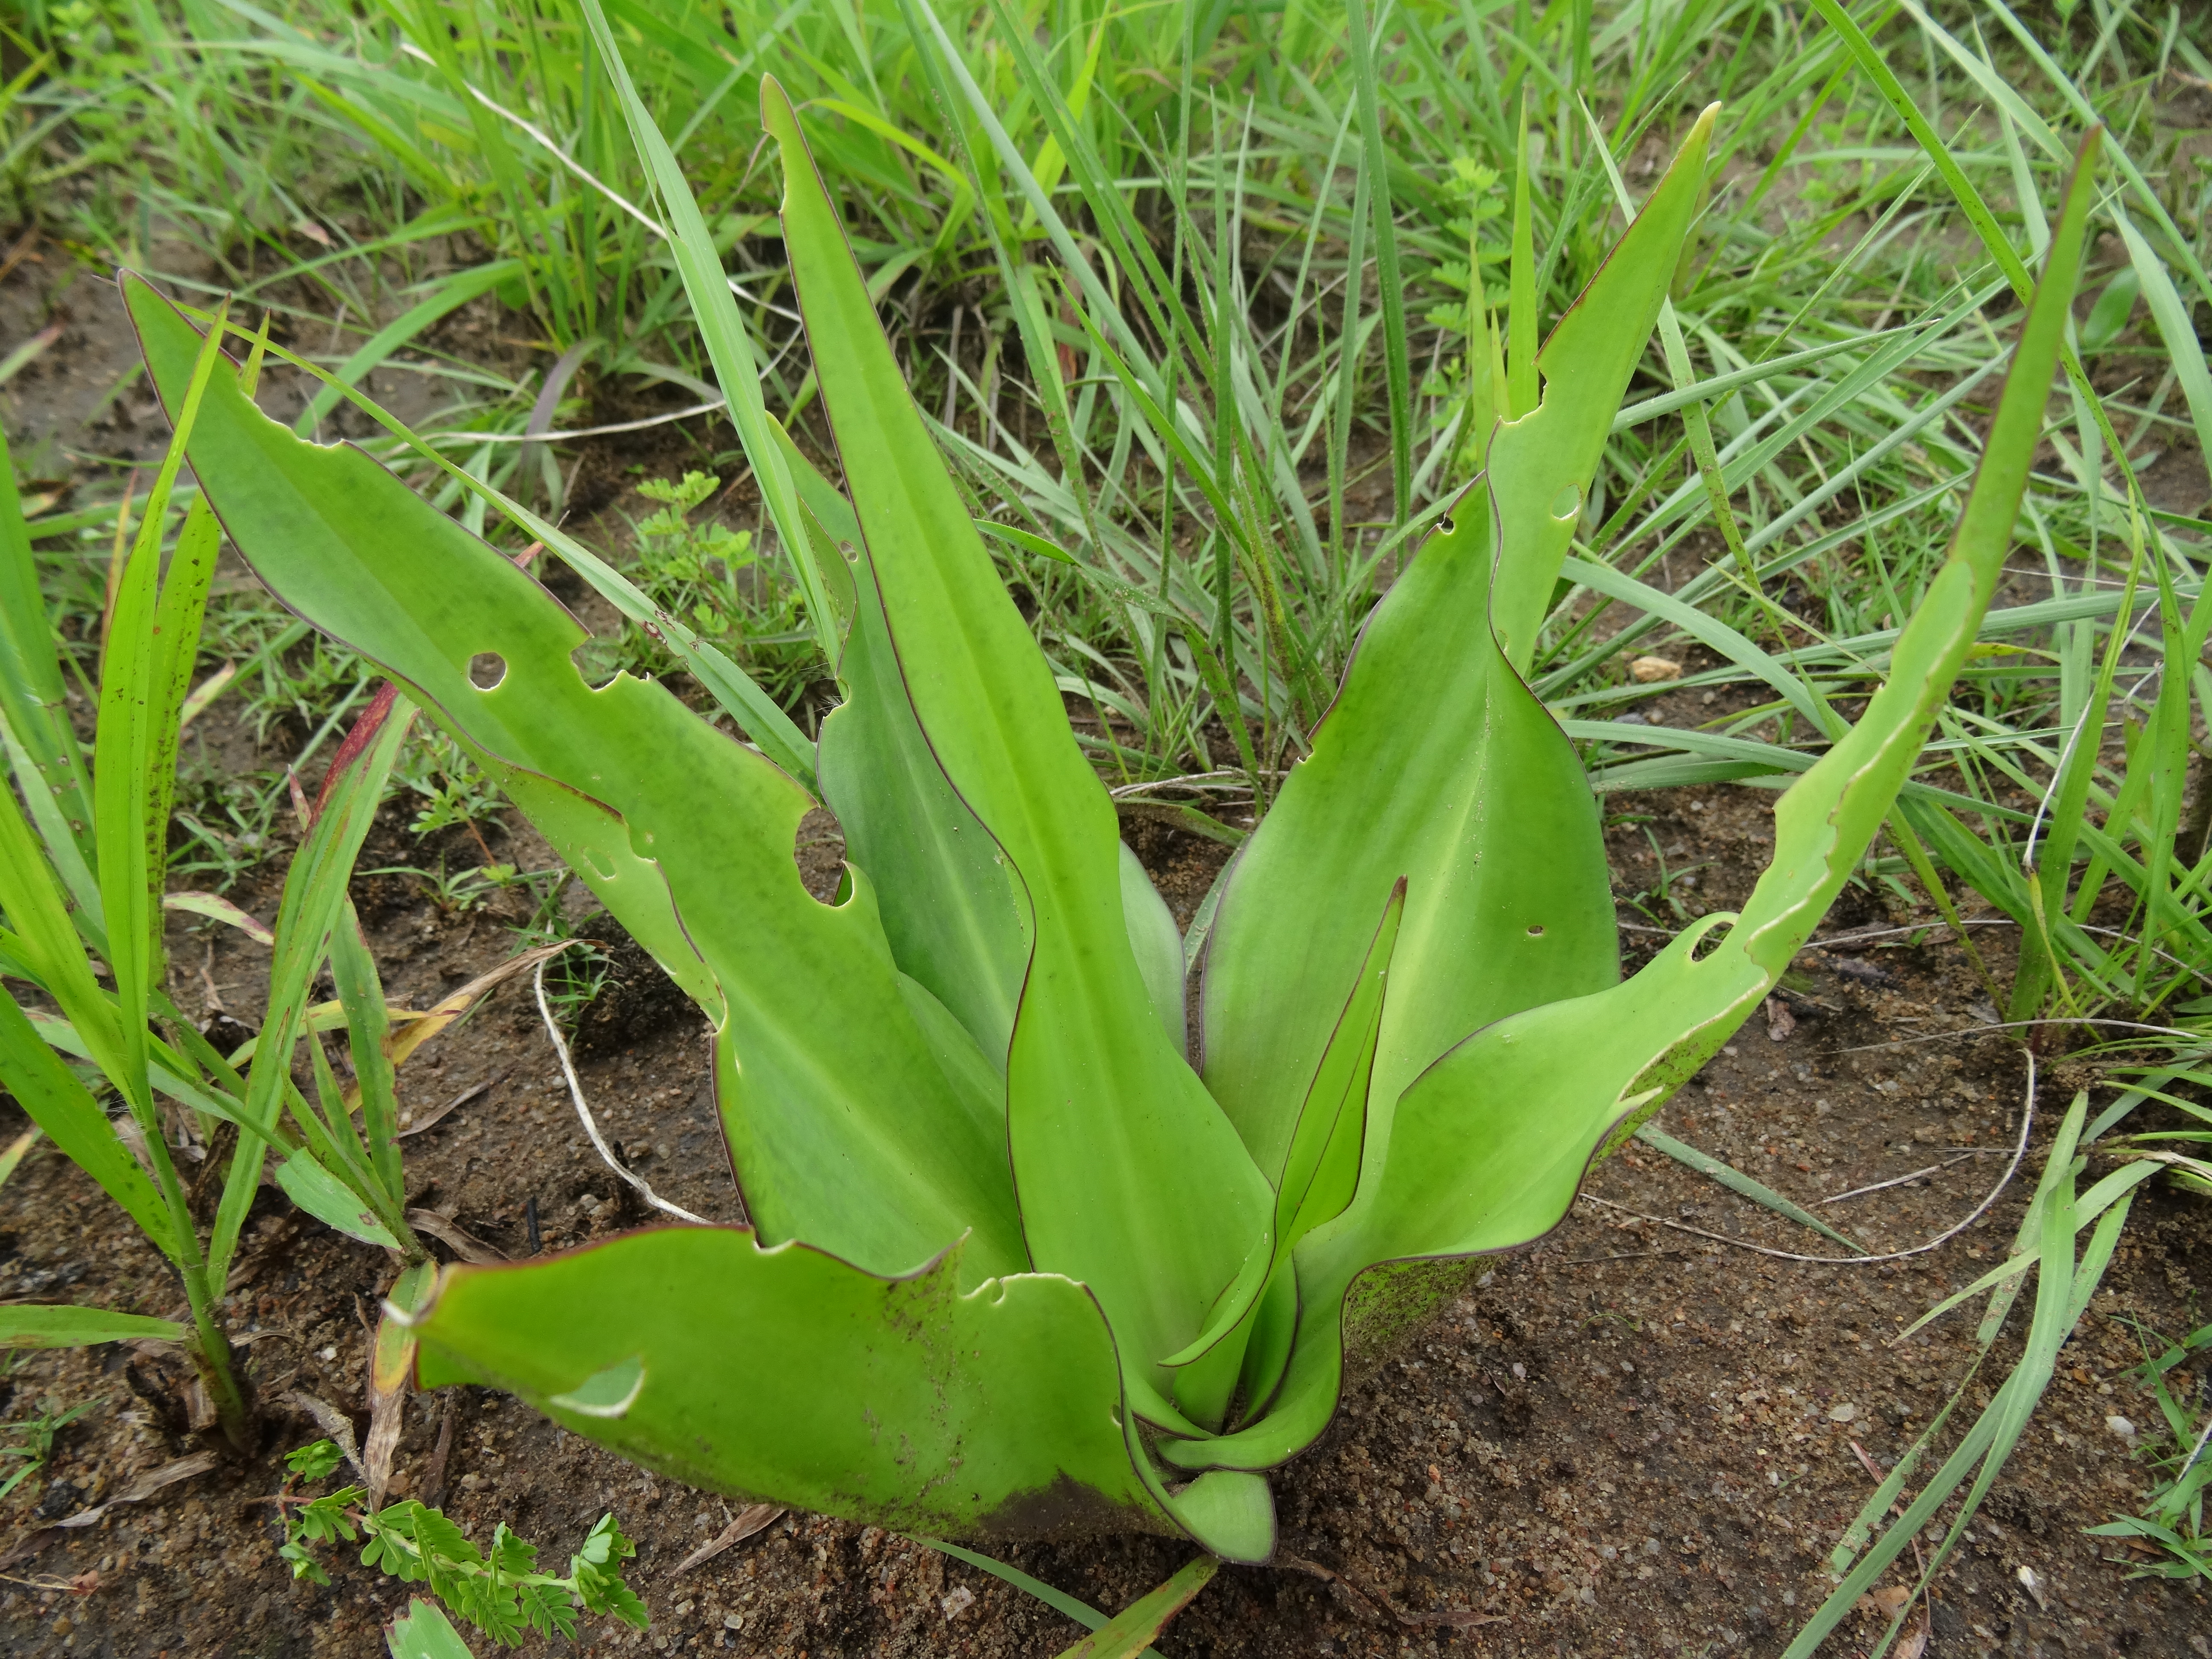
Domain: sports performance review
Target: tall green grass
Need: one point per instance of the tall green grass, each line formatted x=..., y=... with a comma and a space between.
x=1213, y=308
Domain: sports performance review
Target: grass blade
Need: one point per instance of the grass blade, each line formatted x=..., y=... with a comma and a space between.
x=1736, y=1181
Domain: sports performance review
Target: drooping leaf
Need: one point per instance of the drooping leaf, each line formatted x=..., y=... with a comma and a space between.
x=784, y=1372
x=844, y=1127
x=1128, y=1177
x=35, y=1325
x=65, y=1108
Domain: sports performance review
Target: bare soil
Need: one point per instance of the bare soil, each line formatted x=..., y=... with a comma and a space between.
x=1626, y=1438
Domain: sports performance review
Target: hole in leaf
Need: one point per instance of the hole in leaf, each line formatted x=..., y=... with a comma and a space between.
x=594, y=664
x=1535, y=930
x=1711, y=940
x=1567, y=502
x=1445, y=527
x=818, y=849
x=486, y=669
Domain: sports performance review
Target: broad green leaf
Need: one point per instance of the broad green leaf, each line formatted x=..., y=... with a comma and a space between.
x=845, y=1129
x=1540, y=466
x=65, y=1108
x=1464, y=1165
x=1318, y=1180
x=35, y=1325
x=1491, y=825
x=1323, y=1172
x=1129, y=1178
x=951, y=912
x=786, y=1374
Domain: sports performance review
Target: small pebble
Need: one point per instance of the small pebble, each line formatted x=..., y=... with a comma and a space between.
x=1843, y=1413
x=2122, y=1427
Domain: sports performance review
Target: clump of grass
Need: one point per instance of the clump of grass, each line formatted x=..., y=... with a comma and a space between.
x=2172, y=1520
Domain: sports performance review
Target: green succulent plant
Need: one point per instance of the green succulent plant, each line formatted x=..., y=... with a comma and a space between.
x=1017, y=1264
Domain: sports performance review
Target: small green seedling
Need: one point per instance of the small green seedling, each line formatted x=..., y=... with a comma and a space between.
x=1018, y=1263
x=2172, y=1515
x=39, y=1434
x=502, y=1592
x=84, y=897
x=709, y=581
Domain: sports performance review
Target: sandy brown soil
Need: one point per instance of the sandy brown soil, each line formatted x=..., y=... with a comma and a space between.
x=1626, y=1439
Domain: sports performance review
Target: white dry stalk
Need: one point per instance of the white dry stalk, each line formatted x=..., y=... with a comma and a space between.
x=591, y=1124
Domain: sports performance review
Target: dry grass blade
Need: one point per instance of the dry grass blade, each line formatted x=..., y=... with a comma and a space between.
x=754, y=1518
x=138, y=1491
